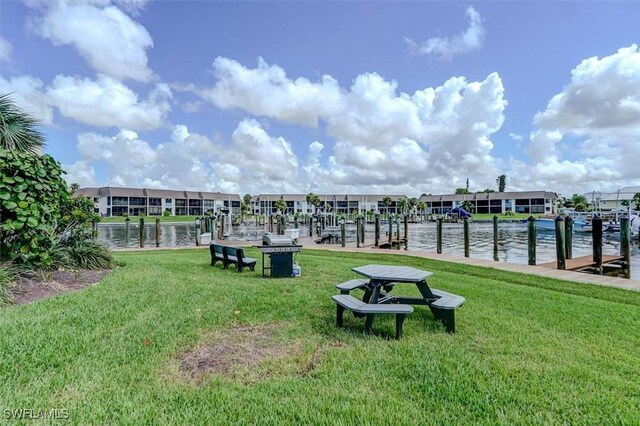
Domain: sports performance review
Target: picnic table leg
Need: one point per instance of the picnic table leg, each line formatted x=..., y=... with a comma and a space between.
x=446, y=317
x=425, y=291
x=339, y=314
x=368, y=323
x=399, y=320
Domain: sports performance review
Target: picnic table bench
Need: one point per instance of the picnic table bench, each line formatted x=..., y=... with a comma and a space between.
x=231, y=256
x=346, y=301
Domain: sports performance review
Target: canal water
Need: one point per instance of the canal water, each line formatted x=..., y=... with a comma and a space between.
x=512, y=240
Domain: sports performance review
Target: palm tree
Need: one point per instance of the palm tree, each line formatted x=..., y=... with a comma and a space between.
x=387, y=202
x=281, y=205
x=422, y=206
x=636, y=200
x=314, y=200
x=402, y=204
x=17, y=129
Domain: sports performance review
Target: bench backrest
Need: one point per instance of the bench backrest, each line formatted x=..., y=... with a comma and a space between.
x=216, y=249
x=234, y=251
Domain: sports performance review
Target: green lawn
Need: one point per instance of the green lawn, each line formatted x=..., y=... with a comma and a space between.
x=528, y=350
x=515, y=216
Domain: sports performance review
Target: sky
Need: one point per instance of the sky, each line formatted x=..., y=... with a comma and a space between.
x=371, y=97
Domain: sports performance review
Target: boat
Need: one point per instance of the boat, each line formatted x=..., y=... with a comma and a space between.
x=579, y=224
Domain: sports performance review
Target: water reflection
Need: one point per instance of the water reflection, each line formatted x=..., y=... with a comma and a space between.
x=512, y=240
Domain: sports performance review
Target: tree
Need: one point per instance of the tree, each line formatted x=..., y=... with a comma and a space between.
x=636, y=200
x=18, y=130
x=462, y=191
x=387, y=202
x=486, y=191
x=422, y=206
x=468, y=206
x=402, y=204
x=73, y=188
x=281, y=205
x=313, y=199
x=501, y=181
x=246, y=204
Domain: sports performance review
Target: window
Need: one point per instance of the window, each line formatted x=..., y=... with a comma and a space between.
x=155, y=202
x=537, y=201
x=168, y=201
x=108, y=201
x=195, y=203
x=137, y=201
x=209, y=204
x=120, y=201
x=181, y=202
x=496, y=202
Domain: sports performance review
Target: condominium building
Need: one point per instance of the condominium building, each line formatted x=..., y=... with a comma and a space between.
x=334, y=203
x=114, y=201
x=534, y=202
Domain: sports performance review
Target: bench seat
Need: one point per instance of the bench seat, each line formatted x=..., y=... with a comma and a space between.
x=235, y=256
x=347, y=286
x=346, y=301
x=444, y=308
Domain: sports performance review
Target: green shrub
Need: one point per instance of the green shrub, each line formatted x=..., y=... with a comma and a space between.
x=87, y=254
x=166, y=213
x=32, y=193
x=8, y=276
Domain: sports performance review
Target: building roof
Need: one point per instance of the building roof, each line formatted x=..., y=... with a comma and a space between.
x=87, y=192
x=164, y=193
x=112, y=191
x=490, y=196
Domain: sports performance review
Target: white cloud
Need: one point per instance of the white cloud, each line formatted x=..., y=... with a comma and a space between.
x=5, y=49
x=516, y=137
x=28, y=93
x=106, y=102
x=447, y=47
x=587, y=137
x=267, y=91
x=107, y=38
x=422, y=141
x=81, y=173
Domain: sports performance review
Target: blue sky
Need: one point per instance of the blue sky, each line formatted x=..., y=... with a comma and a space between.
x=365, y=97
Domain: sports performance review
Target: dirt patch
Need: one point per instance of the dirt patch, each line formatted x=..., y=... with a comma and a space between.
x=247, y=353
x=47, y=284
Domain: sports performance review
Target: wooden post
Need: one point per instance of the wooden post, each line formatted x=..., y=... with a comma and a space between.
x=398, y=230
x=197, y=231
x=377, y=231
x=560, y=243
x=439, y=235
x=222, y=226
x=157, y=232
x=495, y=238
x=270, y=223
x=141, y=232
x=343, y=233
x=465, y=226
x=364, y=223
x=531, y=234
x=94, y=230
x=358, y=231
x=625, y=240
x=596, y=224
x=295, y=222
x=406, y=232
x=390, y=220
x=127, y=221
x=568, y=237
x=311, y=226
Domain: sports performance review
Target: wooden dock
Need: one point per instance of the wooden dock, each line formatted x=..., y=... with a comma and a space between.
x=584, y=262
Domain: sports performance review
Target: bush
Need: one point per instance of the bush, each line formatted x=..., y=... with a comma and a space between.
x=8, y=277
x=86, y=254
x=32, y=193
x=166, y=213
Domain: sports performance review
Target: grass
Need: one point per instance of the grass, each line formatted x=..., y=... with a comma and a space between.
x=515, y=216
x=527, y=350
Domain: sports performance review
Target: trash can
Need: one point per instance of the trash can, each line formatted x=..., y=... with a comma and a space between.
x=205, y=239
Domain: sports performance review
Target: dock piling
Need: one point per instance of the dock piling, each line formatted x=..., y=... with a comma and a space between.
x=568, y=237
x=141, y=232
x=439, y=236
x=596, y=224
x=157, y=232
x=495, y=238
x=560, y=243
x=531, y=239
x=465, y=227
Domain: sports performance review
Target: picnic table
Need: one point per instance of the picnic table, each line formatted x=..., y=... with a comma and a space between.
x=383, y=278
